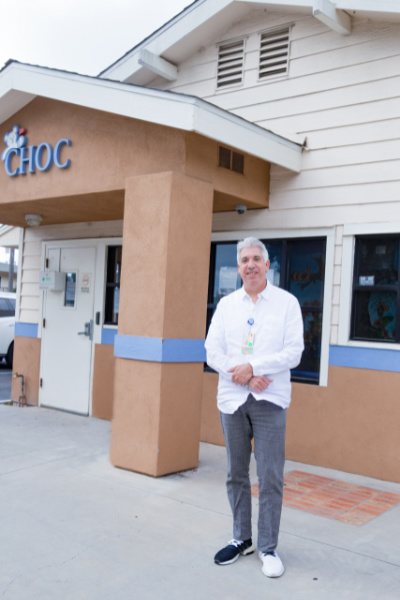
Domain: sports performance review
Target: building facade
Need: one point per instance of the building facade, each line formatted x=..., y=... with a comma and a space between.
x=289, y=109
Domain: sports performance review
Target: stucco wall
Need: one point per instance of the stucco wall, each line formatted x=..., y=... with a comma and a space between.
x=103, y=382
x=26, y=362
x=105, y=150
x=352, y=425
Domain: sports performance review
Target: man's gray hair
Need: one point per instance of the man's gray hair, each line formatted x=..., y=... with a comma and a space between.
x=252, y=242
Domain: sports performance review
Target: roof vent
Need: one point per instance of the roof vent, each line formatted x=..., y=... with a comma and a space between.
x=229, y=159
x=230, y=63
x=274, y=53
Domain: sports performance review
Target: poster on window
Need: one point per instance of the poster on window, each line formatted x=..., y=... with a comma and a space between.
x=227, y=280
x=307, y=278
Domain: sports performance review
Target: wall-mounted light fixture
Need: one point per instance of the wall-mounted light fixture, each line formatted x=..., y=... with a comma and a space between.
x=33, y=220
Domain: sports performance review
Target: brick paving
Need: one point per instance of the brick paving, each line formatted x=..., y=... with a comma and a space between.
x=334, y=499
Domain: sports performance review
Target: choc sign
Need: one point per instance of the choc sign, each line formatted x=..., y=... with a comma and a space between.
x=20, y=159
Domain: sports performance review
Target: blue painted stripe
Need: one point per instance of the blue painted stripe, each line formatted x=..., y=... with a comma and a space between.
x=159, y=350
x=139, y=348
x=178, y=350
x=365, y=358
x=26, y=330
x=108, y=336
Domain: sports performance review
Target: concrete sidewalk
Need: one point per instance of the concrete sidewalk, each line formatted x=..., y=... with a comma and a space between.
x=74, y=527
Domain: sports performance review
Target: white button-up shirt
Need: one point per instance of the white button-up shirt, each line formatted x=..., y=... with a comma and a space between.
x=278, y=344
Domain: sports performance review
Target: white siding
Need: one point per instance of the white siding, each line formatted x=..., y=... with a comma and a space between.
x=342, y=95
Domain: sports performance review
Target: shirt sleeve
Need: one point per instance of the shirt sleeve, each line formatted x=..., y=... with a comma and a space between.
x=293, y=345
x=215, y=344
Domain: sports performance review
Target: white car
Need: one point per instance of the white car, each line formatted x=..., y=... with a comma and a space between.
x=7, y=326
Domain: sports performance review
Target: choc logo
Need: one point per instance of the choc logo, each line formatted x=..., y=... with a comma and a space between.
x=20, y=159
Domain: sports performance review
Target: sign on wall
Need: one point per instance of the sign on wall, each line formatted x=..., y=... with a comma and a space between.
x=20, y=159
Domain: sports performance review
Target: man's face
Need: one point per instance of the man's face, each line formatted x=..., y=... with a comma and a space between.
x=252, y=269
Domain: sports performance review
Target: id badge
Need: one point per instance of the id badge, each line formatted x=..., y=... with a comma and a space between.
x=248, y=343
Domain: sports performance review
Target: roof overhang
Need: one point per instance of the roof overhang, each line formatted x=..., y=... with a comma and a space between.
x=204, y=20
x=21, y=83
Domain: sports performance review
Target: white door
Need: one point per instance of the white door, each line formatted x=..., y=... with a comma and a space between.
x=67, y=331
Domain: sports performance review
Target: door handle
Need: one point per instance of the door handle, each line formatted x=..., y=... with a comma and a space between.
x=88, y=330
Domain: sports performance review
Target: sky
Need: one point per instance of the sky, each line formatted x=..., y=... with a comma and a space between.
x=83, y=36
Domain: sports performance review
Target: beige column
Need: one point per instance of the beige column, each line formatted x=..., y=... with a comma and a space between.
x=164, y=281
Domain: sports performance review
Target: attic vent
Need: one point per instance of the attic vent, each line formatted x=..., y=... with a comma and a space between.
x=274, y=53
x=230, y=63
x=229, y=159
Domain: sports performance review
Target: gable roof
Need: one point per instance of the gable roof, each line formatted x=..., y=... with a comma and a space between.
x=204, y=20
x=21, y=83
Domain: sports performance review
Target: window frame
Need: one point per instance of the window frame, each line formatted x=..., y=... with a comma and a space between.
x=350, y=232
x=357, y=289
x=329, y=233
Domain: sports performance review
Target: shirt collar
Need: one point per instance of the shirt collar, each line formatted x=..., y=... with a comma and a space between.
x=264, y=294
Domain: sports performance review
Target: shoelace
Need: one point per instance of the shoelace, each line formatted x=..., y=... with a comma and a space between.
x=235, y=543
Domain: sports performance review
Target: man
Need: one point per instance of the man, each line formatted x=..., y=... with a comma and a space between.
x=255, y=338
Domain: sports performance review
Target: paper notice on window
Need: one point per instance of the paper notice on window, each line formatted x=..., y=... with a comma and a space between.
x=227, y=280
x=367, y=280
x=270, y=276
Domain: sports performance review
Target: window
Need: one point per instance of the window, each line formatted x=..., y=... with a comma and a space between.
x=7, y=307
x=375, y=306
x=70, y=290
x=297, y=265
x=230, y=63
x=114, y=260
x=274, y=53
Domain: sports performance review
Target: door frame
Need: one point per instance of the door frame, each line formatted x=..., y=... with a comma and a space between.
x=99, y=287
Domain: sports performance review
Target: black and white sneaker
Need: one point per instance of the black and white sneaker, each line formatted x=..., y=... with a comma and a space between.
x=232, y=551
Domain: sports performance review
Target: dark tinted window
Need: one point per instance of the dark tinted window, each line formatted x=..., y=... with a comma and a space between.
x=297, y=266
x=114, y=261
x=7, y=307
x=376, y=309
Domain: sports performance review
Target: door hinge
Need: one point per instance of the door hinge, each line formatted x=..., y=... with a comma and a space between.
x=44, y=323
x=47, y=263
x=41, y=382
